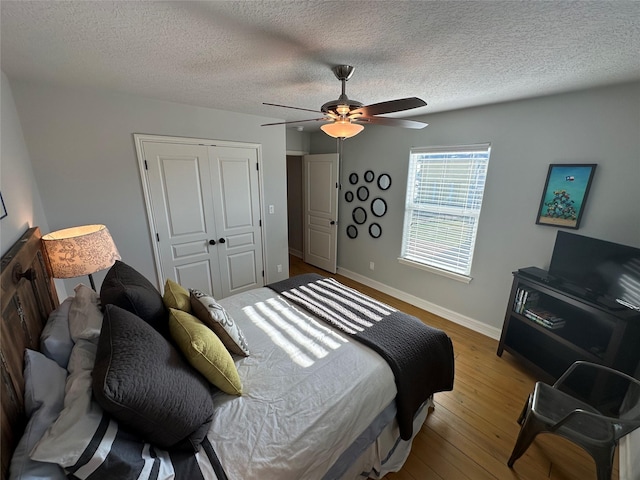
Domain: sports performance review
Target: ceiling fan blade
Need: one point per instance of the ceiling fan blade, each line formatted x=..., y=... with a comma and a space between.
x=325, y=119
x=390, y=106
x=295, y=108
x=391, y=122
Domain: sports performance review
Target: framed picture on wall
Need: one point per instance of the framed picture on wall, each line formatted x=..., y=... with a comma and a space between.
x=565, y=194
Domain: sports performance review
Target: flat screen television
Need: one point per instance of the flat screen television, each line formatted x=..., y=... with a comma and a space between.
x=601, y=271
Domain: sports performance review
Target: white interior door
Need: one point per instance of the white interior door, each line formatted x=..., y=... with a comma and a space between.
x=205, y=208
x=234, y=180
x=321, y=210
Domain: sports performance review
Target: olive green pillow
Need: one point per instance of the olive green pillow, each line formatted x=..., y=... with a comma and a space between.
x=204, y=351
x=176, y=296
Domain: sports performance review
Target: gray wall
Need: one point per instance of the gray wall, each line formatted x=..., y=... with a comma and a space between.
x=17, y=182
x=298, y=142
x=82, y=151
x=593, y=126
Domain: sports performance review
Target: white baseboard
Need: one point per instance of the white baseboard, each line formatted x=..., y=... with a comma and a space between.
x=295, y=253
x=472, y=324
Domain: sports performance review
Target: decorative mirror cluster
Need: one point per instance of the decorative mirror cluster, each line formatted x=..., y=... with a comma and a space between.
x=377, y=206
x=359, y=215
x=369, y=176
x=384, y=182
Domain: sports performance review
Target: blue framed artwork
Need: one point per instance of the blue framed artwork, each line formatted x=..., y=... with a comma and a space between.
x=565, y=194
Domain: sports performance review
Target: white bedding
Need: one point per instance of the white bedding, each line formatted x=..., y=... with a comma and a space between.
x=325, y=413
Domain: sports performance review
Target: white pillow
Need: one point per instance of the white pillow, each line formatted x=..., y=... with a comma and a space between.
x=85, y=316
x=43, y=401
x=68, y=437
x=55, y=339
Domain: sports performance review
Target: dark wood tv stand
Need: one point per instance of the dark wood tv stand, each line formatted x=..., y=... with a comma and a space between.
x=555, y=328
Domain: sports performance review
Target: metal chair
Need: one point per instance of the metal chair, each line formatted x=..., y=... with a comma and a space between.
x=591, y=405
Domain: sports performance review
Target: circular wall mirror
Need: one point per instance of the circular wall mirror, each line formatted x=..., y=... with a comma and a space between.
x=348, y=196
x=384, y=181
x=359, y=215
x=363, y=193
x=375, y=230
x=369, y=176
x=378, y=207
x=352, y=231
x=353, y=178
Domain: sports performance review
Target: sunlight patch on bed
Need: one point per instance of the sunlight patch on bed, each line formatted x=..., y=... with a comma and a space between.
x=294, y=334
x=278, y=338
x=309, y=324
x=301, y=336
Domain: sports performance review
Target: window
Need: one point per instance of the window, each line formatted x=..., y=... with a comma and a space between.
x=444, y=196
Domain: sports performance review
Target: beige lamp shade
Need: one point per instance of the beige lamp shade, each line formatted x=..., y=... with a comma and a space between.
x=342, y=128
x=78, y=251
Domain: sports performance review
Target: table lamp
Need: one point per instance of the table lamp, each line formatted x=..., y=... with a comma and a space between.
x=82, y=250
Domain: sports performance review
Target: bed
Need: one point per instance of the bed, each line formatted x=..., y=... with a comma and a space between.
x=315, y=402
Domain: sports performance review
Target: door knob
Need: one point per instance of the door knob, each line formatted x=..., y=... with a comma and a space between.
x=332, y=222
x=221, y=240
x=212, y=242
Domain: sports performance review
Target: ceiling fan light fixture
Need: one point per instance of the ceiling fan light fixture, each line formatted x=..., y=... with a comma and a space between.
x=342, y=129
x=342, y=109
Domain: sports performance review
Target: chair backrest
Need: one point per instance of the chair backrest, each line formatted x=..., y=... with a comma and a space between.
x=614, y=394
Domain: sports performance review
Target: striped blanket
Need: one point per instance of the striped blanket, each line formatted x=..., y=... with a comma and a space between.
x=116, y=453
x=420, y=356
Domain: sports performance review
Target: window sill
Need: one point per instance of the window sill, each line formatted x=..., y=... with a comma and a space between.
x=454, y=276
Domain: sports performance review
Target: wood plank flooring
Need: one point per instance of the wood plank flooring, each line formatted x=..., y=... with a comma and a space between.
x=472, y=430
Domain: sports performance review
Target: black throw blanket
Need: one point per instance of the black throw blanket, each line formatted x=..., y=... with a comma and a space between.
x=421, y=357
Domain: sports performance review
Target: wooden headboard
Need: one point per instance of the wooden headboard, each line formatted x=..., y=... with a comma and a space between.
x=28, y=296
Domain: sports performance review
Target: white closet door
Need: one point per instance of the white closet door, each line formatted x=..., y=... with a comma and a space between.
x=205, y=206
x=236, y=193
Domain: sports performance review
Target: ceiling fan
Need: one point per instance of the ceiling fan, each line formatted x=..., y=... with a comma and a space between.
x=346, y=116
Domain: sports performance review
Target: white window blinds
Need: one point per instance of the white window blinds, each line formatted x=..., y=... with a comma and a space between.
x=444, y=195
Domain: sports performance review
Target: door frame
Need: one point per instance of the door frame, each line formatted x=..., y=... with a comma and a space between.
x=140, y=138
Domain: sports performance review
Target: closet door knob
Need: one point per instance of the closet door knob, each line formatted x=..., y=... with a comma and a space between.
x=212, y=242
x=221, y=240
x=332, y=222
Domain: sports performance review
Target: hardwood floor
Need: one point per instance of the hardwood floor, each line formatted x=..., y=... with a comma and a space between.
x=472, y=430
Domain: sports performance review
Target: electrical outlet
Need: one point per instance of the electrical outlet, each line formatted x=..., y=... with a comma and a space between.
x=372, y=266
x=279, y=267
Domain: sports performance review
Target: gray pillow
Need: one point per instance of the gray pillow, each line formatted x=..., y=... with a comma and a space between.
x=55, y=339
x=43, y=401
x=127, y=288
x=147, y=386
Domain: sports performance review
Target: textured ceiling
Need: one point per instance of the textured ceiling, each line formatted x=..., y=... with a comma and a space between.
x=235, y=55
